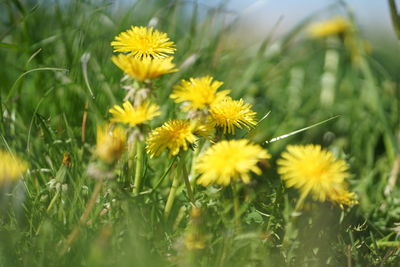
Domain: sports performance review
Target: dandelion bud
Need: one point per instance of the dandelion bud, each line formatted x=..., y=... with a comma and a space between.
x=110, y=143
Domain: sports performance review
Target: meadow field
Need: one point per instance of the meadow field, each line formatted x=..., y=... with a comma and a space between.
x=150, y=133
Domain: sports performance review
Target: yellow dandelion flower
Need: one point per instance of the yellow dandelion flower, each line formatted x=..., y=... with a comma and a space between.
x=313, y=170
x=195, y=241
x=146, y=68
x=11, y=167
x=173, y=135
x=227, y=161
x=198, y=93
x=134, y=115
x=204, y=129
x=110, y=143
x=343, y=197
x=229, y=114
x=143, y=42
x=194, y=238
x=334, y=26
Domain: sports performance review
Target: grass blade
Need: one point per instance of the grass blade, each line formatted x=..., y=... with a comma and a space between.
x=300, y=130
x=14, y=86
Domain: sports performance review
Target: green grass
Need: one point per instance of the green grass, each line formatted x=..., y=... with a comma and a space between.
x=53, y=54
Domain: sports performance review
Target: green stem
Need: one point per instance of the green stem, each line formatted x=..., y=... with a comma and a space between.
x=53, y=200
x=49, y=208
x=171, y=196
x=138, y=167
x=171, y=166
x=194, y=159
x=179, y=217
x=236, y=206
x=328, y=79
x=300, y=202
x=84, y=218
x=186, y=179
x=131, y=149
x=394, y=14
x=290, y=228
x=374, y=102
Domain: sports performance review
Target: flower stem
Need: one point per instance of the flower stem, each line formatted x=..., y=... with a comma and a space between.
x=290, y=227
x=236, y=206
x=194, y=159
x=171, y=196
x=84, y=218
x=328, y=80
x=138, y=167
x=300, y=202
x=53, y=201
x=186, y=179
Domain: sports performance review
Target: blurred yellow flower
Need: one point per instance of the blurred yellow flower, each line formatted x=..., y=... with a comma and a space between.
x=313, y=170
x=146, y=68
x=343, y=197
x=11, y=167
x=173, y=135
x=229, y=114
x=195, y=241
x=110, y=142
x=134, y=115
x=143, y=42
x=203, y=128
x=194, y=238
x=198, y=93
x=334, y=26
x=227, y=161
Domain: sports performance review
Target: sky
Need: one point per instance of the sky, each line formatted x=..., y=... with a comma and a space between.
x=262, y=15
x=256, y=19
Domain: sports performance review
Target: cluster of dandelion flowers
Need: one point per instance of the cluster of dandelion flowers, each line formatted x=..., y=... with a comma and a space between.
x=198, y=93
x=144, y=69
x=228, y=161
x=228, y=114
x=133, y=116
x=11, y=168
x=313, y=170
x=334, y=26
x=143, y=42
x=173, y=135
x=110, y=142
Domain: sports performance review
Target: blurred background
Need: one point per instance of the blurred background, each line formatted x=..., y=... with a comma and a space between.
x=254, y=20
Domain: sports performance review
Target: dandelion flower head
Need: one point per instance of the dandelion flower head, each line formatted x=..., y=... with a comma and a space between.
x=133, y=116
x=343, y=197
x=334, y=26
x=173, y=135
x=228, y=114
x=198, y=93
x=194, y=238
x=11, y=167
x=313, y=170
x=110, y=142
x=143, y=42
x=204, y=129
x=146, y=68
x=227, y=161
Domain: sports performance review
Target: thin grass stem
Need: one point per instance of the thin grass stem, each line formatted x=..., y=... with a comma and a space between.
x=186, y=179
x=171, y=196
x=138, y=167
x=236, y=206
x=82, y=221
